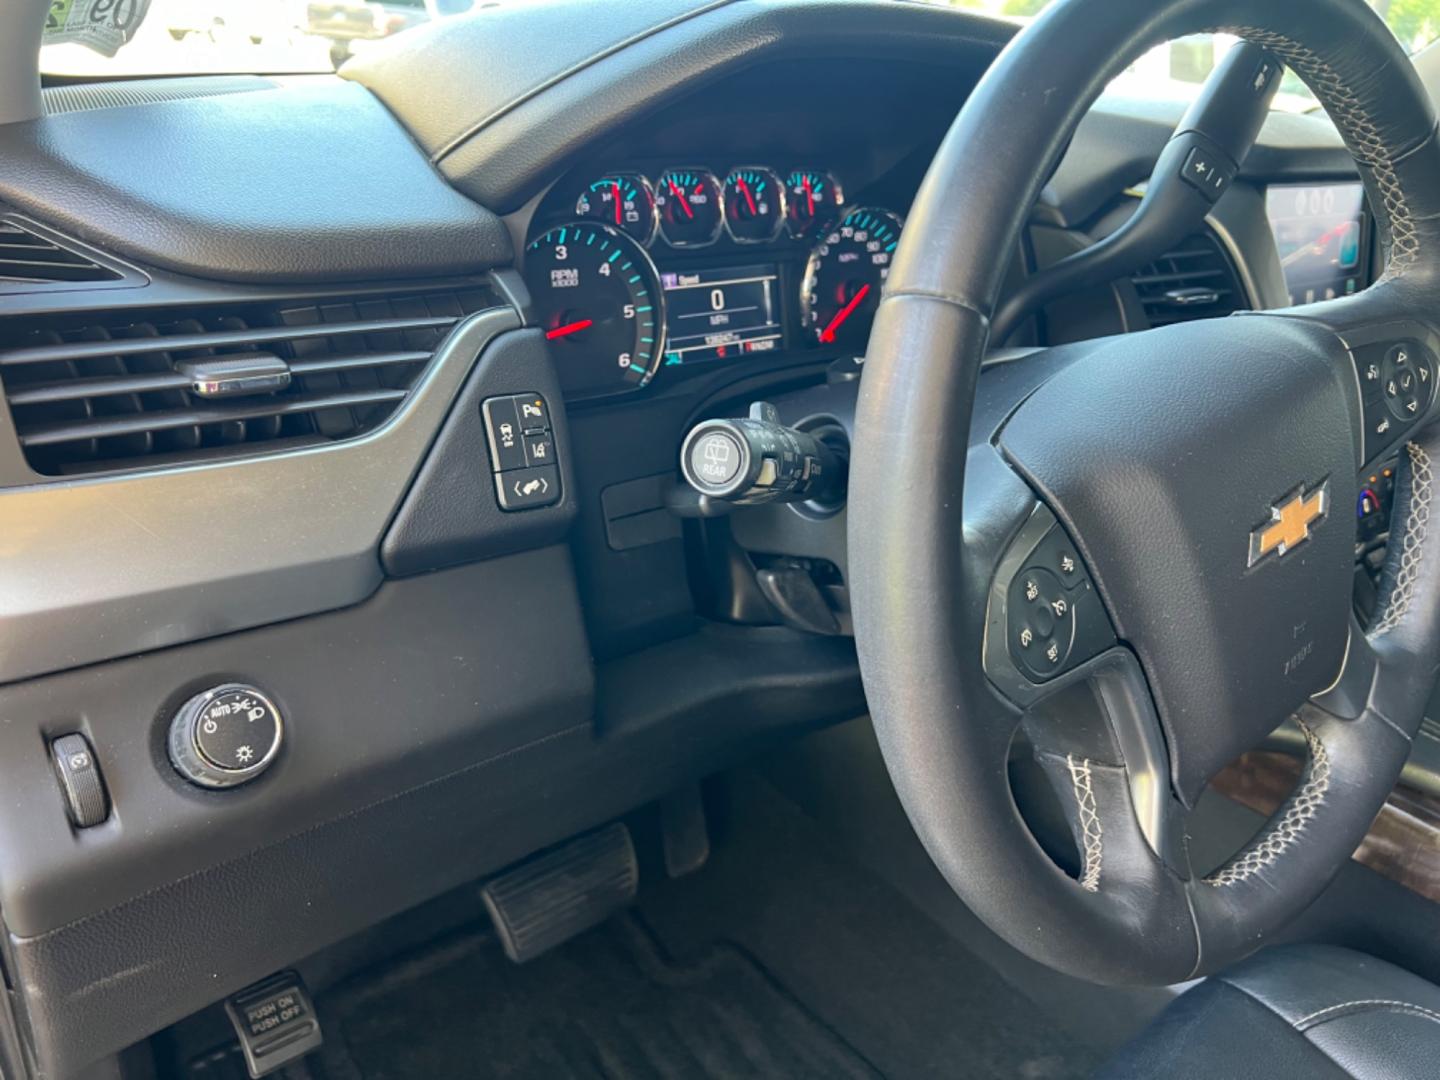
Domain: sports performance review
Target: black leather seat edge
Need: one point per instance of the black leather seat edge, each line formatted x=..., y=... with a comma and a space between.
x=1309, y=1011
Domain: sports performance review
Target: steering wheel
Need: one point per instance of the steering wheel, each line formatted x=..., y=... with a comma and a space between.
x=1169, y=510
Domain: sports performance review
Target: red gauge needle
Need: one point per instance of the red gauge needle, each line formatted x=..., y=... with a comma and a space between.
x=828, y=334
x=569, y=328
x=617, y=202
x=680, y=195
x=749, y=199
x=809, y=197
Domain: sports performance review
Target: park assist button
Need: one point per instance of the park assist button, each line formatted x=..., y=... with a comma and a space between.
x=225, y=736
x=522, y=451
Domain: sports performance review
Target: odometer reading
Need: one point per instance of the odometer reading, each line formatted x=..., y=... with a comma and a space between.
x=845, y=274
x=596, y=294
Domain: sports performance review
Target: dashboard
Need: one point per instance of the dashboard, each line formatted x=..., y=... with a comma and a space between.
x=647, y=223
x=635, y=275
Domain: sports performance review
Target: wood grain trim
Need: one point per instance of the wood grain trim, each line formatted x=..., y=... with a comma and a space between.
x=1403, y=844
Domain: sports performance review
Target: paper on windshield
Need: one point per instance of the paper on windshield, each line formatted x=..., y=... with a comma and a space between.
x=101, y=25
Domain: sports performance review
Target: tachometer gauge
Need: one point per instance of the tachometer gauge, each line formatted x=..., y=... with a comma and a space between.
x=623, y=201
x=754, y=204
x=688, y=201
x=845, y=274
x=811, y=197
x=599, y=303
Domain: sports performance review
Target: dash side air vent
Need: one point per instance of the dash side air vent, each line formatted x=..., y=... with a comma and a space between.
x=1195, y=280
x=97, y=392
x=30, y=260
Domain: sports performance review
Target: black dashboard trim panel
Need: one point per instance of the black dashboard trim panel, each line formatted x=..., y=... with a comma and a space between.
x=444, y=728
x=306, y=182
x=450, y=514
x=115, y=565
x=593, y=88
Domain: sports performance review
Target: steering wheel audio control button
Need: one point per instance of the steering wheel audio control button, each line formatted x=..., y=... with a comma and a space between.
x=225, y=736
x=1042, y=620
x=1396, y=390
x=1400, y=377
x=1052, y=614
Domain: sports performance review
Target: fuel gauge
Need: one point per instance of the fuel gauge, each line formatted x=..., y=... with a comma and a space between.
x=623, y=201
x=754, y=204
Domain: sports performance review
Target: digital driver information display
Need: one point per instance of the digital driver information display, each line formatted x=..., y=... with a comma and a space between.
x=1318, y=235
x=720, y=313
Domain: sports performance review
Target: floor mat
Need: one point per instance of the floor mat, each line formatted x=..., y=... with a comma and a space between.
x=607, y=1005
x=913, y=1001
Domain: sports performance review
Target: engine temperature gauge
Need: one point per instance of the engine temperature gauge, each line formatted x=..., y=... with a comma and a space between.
x=754, y=204
x=623, y=201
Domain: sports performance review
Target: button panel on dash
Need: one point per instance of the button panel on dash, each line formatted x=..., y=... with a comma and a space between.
x=522, y=451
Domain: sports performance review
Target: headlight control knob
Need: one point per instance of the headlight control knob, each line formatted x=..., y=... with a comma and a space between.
x=225, y=736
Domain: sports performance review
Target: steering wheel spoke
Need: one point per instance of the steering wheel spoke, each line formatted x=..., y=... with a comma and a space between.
x=1098, y=732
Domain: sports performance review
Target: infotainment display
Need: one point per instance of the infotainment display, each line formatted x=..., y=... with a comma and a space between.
x=720, y=313
x=1319, y=232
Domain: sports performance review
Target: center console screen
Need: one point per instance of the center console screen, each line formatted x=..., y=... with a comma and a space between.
x=1319, y=233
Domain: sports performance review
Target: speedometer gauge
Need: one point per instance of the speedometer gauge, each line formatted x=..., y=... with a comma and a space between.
x=598, y=301
x=845, y=274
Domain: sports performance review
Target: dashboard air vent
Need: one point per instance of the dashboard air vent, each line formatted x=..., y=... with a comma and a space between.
x=1194, y=281
x=120, y=390
x=27, y=258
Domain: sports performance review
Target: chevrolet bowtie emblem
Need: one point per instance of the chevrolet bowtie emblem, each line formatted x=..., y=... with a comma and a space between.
x=1290, y=521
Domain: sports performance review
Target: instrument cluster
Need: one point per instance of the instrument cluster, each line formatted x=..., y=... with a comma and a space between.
x=691, y=207
x=631, y=276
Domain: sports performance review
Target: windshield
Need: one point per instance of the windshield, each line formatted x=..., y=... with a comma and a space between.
x=1175, y=70
x=178, y=37
x=191, y=37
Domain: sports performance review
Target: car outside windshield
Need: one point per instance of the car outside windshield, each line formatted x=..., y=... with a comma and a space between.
x=182, y=37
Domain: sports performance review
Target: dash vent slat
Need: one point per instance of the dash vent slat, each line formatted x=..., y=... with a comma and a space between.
x=102, y=391
x=27, y=258
x=1194, y=281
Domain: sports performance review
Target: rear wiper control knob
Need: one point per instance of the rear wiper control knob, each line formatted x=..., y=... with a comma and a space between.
x=759, y=460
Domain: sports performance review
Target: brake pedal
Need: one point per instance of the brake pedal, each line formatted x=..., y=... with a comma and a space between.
x=549, y=899
x=684, y=833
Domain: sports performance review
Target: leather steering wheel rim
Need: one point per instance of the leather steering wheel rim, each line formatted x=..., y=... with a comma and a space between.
x=922, y=550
